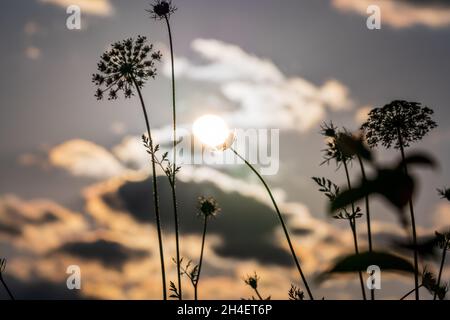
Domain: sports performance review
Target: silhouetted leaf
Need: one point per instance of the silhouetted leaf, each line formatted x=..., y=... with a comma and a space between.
x=420, y=159
x=426, y=247
x=174, y=291
x=360, y=262
x=351, y=145
x=347, y=197
x=394, y=185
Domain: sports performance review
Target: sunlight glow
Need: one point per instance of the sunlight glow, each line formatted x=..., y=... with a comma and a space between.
x=211, y=130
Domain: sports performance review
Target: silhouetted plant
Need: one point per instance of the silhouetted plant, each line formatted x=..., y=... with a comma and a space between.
x=392, y=183
x=443, y=241
x=429, y=282
x=130, y=63
x=252, y=282
x=444, y=193
x=189, y=270
x=125, y=67
x=164, y=163
x=296, y=293
x=360, y=262
x=331, y=191
x=397, y=125
x=2, y=280
x=208, y=209
x=337, y=149
x=162, y=10
x=227, y=145
x=175, y=293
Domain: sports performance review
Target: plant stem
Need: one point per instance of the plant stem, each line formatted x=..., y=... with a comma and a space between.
x=409, y=292
x=201, y=258
x=6, y=287
x=286, y=233
x=413, y=220
x=444, y=251
x=353, y=227
x=173, y=182
x=258, y=294
x=369, y=229
x=155, y=193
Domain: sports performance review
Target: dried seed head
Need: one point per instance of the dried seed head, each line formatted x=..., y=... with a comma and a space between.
x=252, y=281
x=208, y=207
x=161, y=9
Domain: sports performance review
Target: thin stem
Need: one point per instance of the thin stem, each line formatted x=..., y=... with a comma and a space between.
x=413, y=220
x=286, y=233
x=201, y=258
x=444, y=251
x=6, y=287
x=258, y=294
x=409, y=292
x=173, y=183
x=354, y=233
x=155, y=192
x=369, y=229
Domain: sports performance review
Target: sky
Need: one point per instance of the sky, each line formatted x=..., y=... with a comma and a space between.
x=75, y=182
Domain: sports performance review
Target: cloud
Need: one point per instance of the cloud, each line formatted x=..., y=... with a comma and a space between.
x=362, y=114
x=109, y=253
x=117, y=252
x=84, y=158
x=402, y=14
x=113, y=240
x=227, y=63
x=441, y=218
x=264, y=96
x=93, y=7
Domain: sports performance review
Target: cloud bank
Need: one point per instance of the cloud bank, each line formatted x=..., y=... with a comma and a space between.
x=402, y=13
x=93, y=7
x=261, y=94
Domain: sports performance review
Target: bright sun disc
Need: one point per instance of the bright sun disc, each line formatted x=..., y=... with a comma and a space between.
x=211, y=130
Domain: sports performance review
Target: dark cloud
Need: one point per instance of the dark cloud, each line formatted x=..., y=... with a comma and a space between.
x=428, y=3
x=40, y=289
x=10, y=229
x=246, y=226
x=301, y=231
x=110, y=254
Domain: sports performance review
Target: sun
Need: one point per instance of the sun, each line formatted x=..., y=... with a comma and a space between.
x=211, y=130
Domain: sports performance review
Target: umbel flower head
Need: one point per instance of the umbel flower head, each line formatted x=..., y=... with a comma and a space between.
x=161, y=9
x=208, y=207
x=127, y=64
x=408, y=121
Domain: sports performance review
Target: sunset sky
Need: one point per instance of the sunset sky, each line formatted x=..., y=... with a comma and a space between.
x=74, y=178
